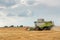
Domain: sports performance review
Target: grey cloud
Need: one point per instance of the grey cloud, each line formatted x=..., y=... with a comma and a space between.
x=7, y=3
x=10, y=14
x=31, y=2
x=21, y=12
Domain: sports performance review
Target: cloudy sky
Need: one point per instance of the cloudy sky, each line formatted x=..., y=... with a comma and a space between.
x=25, y=12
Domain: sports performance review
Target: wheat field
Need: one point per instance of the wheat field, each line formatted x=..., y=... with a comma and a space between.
x=22, y=34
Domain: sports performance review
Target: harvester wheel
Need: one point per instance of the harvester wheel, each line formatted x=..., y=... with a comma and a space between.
x=38, y=28
x=46, y=28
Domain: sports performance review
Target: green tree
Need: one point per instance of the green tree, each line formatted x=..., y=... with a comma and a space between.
x=5, y=26
x=21, y=25
x=12, y=26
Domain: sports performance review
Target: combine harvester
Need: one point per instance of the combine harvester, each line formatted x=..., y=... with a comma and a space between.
x=40, y=24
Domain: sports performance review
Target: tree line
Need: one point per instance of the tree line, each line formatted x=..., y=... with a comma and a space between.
x=13, y=26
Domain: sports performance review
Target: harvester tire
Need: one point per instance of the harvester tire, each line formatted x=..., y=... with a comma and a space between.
x=46, y=28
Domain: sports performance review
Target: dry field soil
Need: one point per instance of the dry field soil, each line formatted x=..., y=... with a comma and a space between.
x=22, y=34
